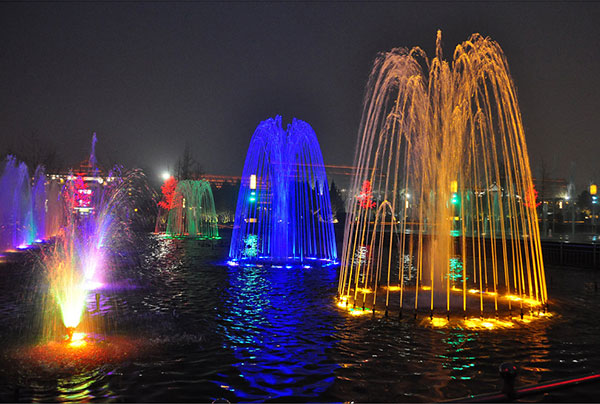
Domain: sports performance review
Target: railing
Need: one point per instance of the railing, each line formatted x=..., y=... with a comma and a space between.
x=571, y=254
x=508, y=372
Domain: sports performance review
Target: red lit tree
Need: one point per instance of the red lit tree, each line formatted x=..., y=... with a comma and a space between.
x=531, y=198
x=83, y=193
x=77, y=194
x=365, y=198
x=168, y=191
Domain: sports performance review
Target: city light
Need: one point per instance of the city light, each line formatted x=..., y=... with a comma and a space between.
x=454, y=186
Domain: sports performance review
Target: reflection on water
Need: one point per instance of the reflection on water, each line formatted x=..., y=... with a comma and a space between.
x=256, y=334
x=278, y=351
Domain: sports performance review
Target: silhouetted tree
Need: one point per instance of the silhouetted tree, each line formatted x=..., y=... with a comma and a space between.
x=187, y=168
x=337, y=202
x=584, y=200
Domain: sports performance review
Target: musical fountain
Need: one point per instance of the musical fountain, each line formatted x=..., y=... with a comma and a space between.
x=283, y=215
x=98, y=214
x=444, y=218
x=443, y=225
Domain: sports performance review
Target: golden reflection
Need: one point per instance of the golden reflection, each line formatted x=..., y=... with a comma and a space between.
x=479, y=323
x=342, y=303
x=439, y=321
x=360, y=312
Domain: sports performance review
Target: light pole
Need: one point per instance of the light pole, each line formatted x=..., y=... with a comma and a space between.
x=593, y=192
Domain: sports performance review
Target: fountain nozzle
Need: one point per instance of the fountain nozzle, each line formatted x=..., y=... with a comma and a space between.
x=70, y=331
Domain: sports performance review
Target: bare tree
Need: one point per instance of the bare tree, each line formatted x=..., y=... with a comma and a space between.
x=187, y=168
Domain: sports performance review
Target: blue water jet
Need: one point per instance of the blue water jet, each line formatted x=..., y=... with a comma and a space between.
x=17, y=227
x=283, y=215
x=39, y=203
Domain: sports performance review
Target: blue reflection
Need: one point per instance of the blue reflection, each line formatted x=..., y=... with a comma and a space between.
x=279, y=327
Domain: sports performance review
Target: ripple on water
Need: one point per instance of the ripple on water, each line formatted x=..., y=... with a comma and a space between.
x=198, y=331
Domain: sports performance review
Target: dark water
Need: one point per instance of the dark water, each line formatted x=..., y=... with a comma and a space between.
x=260, y=334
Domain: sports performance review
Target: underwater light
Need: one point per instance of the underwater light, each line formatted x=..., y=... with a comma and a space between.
x=439, y=321
x=76, y=339
x=93, y=285
x=360, y=312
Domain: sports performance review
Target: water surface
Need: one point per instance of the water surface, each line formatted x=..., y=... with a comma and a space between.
x=209, y=331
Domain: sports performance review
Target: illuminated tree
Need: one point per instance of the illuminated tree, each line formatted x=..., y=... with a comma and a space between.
x=531, y=198
x=168, y=191
x=365, y=198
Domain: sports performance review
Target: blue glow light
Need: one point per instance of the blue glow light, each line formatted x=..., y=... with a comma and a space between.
x=17, y=221
x=284, y=199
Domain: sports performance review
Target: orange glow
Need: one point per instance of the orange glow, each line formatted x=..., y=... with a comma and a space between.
x=454, y=186
x=360, y=312
x=394, y=288
x=426, y=287
x=593, y=189
x=77, y=344
x=84, y=352
x=364, y=290
x=476, y=323
x=439, y=321
x=480, y=324
x=531, y=302
x=342, y=304
x=75, y=339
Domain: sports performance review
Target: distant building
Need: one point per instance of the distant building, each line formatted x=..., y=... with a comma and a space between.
x=87, y=180
x=218, y=181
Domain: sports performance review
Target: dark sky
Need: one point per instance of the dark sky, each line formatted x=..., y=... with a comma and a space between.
x=149, y=77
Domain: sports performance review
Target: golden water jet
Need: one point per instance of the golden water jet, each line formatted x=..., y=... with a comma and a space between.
x=451, y=220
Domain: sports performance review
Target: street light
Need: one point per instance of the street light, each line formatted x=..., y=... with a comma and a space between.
x=593, y=192
x=165, y=175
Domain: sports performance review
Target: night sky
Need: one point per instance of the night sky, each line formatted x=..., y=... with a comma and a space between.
x=149, y=77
